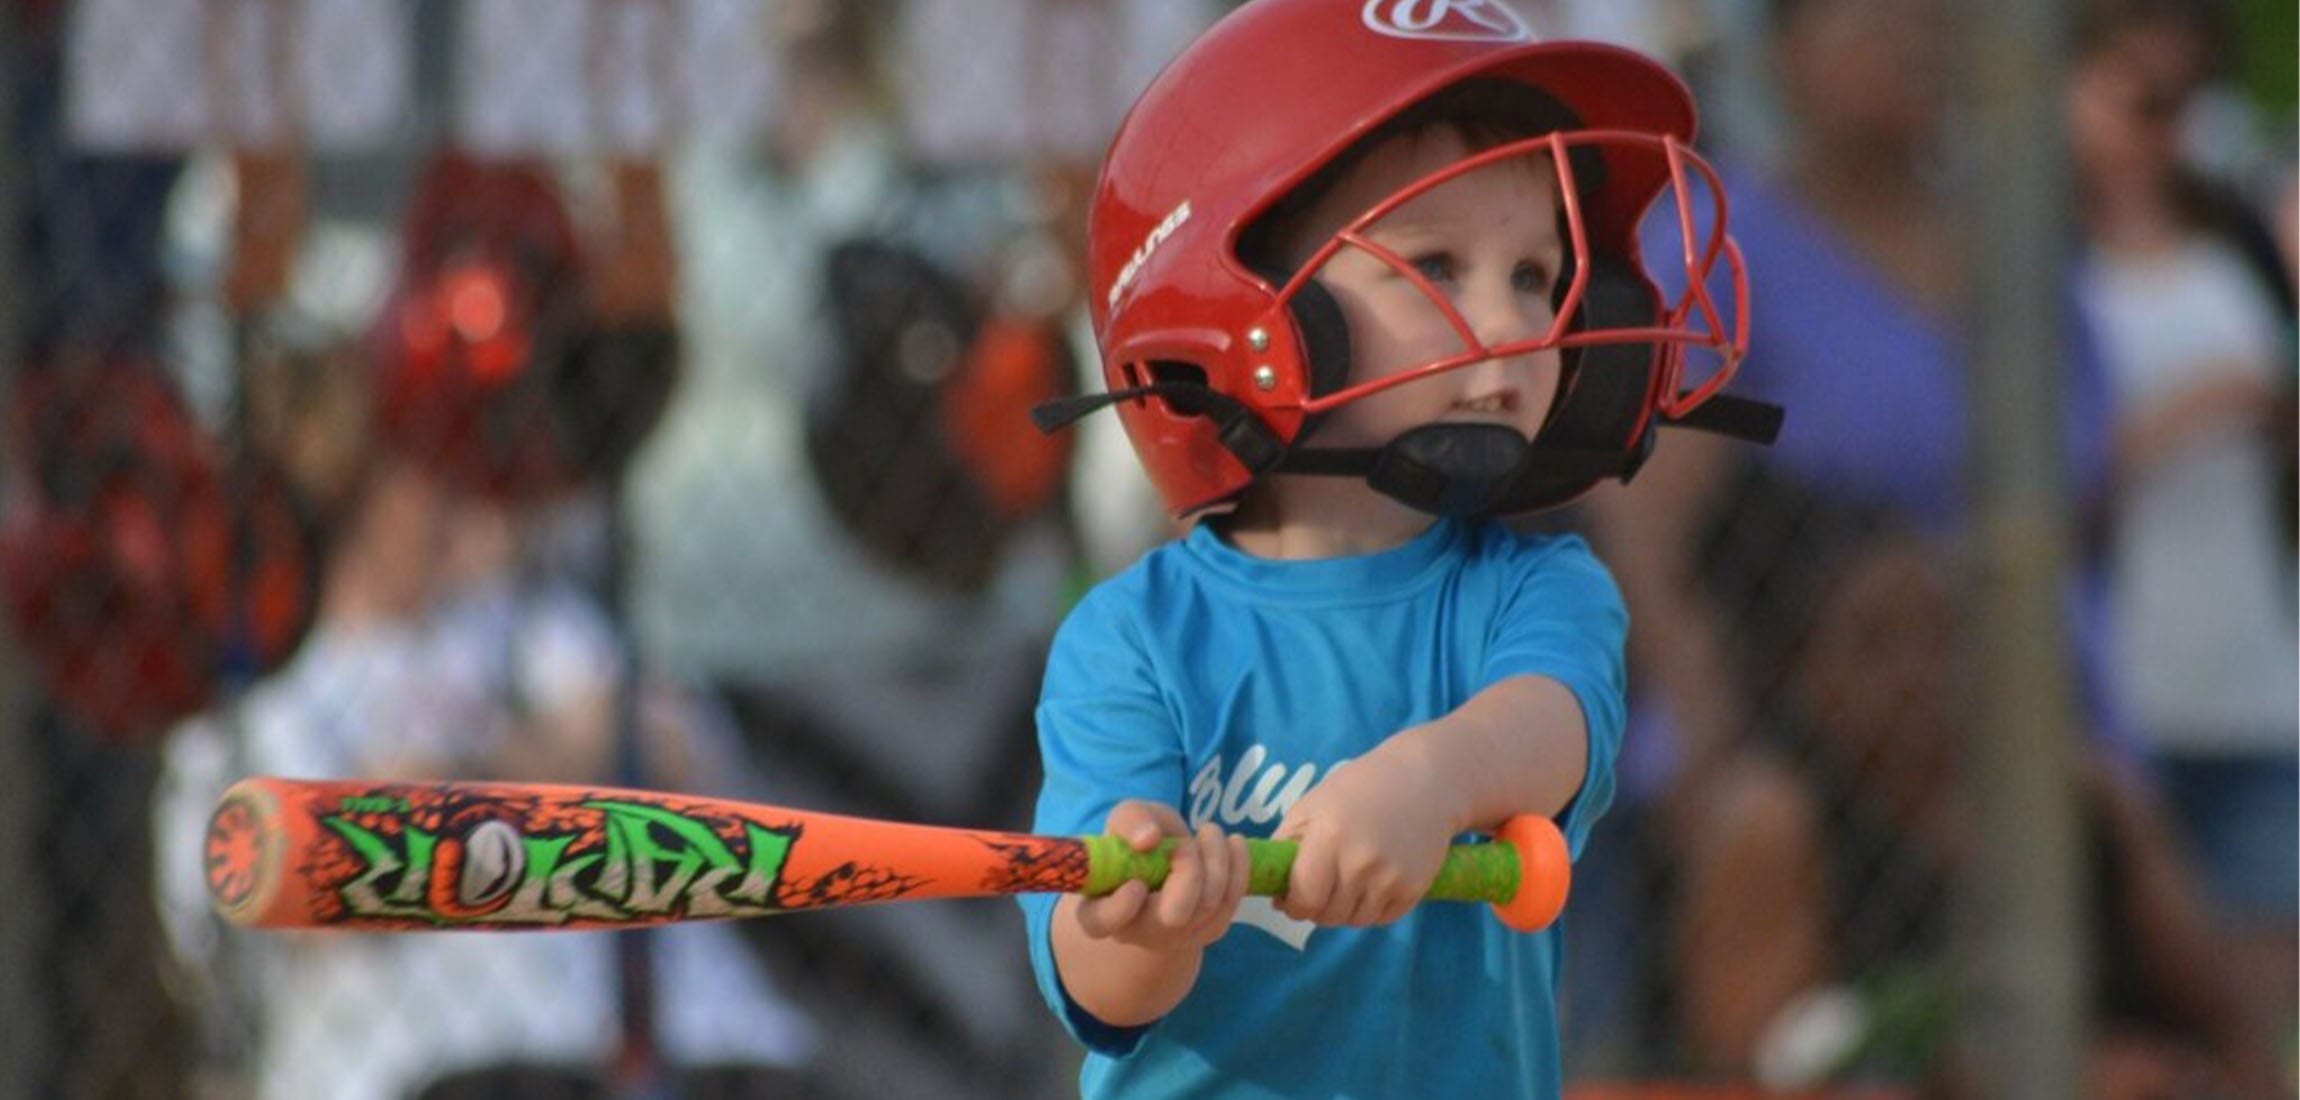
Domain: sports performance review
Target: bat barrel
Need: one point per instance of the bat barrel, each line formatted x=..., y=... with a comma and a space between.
x=372, y=856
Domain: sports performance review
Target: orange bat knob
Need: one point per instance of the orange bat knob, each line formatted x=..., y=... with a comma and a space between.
x=1544, y=873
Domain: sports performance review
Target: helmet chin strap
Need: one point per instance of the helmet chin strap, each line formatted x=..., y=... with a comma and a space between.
x=1454, y=469
x=1442, y=469
x=1479, y=469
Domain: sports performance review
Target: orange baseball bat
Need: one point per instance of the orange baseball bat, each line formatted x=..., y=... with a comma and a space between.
x=359, y=855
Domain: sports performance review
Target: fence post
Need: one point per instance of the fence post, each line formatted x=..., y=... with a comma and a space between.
x=2025, y=995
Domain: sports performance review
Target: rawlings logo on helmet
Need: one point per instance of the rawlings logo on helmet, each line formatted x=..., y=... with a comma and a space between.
x=1158, y=234
x=1447, y=20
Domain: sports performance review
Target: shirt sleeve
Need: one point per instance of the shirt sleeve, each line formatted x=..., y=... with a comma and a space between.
x=1105, y=734
x=1564, y=619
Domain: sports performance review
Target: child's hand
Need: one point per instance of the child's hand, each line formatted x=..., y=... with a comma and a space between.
x=1201, y=894
x=1373, y=834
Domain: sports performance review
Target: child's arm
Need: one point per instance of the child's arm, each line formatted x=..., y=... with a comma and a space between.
x=1131, y=956
x=1375, y=830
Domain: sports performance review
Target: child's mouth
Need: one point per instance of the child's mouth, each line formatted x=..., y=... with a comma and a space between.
x=1503, y=402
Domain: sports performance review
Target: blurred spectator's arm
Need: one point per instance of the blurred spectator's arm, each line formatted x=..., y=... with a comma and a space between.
x=267, y=226
x=2180, y=956
x=2223, y=402
x=1750, y=933
x=638, y=269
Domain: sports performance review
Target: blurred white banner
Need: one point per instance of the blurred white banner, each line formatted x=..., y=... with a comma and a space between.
x=531, y=77
x=171, y=75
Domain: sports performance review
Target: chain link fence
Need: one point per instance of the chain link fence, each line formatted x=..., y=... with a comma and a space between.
x=628, y=392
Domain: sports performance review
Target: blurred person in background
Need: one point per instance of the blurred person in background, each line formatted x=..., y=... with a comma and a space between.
x=1040, y=88
x=444, y=648
x=737, y=574
x=1852, y=236
x=1855, y=277
x=83, y=282
x=2194, y=306
x=1848, y=825
x=757, y=565
x=819, y=529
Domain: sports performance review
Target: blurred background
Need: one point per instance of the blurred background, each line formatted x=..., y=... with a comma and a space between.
x=632, y=390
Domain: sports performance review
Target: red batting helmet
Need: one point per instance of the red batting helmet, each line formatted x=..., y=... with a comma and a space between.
x=1216, y=368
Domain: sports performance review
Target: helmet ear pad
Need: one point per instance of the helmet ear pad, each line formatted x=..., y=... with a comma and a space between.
x=1602, y=390
x=1324, y=333
x=1321, y=331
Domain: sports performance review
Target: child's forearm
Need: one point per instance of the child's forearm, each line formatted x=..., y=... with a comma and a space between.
x=1119, y=984
x=1520, y=746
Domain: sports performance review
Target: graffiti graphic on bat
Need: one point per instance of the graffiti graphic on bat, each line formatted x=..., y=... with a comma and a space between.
x=600, y=860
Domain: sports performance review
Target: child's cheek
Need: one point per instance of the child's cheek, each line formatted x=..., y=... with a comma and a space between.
x=1413, y=337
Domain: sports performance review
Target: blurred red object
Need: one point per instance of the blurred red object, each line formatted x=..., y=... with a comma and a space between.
x=1013, y=365
x=919, y=438
x=492, y=364
x=136, y=572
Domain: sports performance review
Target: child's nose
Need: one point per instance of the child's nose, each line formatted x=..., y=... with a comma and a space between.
x=1503, y=315
x=1487, y=376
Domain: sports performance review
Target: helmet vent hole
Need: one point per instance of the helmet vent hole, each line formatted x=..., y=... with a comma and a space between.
x=1189, y=376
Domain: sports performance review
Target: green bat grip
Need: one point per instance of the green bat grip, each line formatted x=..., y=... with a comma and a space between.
x=1524, y=872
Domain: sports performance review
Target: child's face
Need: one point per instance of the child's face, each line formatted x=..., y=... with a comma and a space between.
x=1488, y=240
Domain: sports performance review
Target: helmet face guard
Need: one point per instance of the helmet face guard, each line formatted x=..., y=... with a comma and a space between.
x=1693, y=320
x=1625, y=351
x=1624, y=364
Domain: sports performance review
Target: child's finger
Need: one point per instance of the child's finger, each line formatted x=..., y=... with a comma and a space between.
x=1310, y=885
x=1177, y=900
x=1371, y=909
x=1214, y=858
x=1342, y=904
x=1241, y=873
x=1377, y=897
x=1396, y=908
x=1104, y=916
x=1143, y=824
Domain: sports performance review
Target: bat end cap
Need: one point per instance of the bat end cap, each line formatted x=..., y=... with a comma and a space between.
x=1544, y=873
x=242, y=853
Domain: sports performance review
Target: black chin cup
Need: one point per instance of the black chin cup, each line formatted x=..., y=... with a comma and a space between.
x=1451, y=469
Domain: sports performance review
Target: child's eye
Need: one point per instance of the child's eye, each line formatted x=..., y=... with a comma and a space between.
x=1437, y=267
x=1530, y=278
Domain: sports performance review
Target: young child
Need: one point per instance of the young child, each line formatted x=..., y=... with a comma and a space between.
x=1364, y=279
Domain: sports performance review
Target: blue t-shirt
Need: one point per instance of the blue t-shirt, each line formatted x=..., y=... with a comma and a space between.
x=1226, y=685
